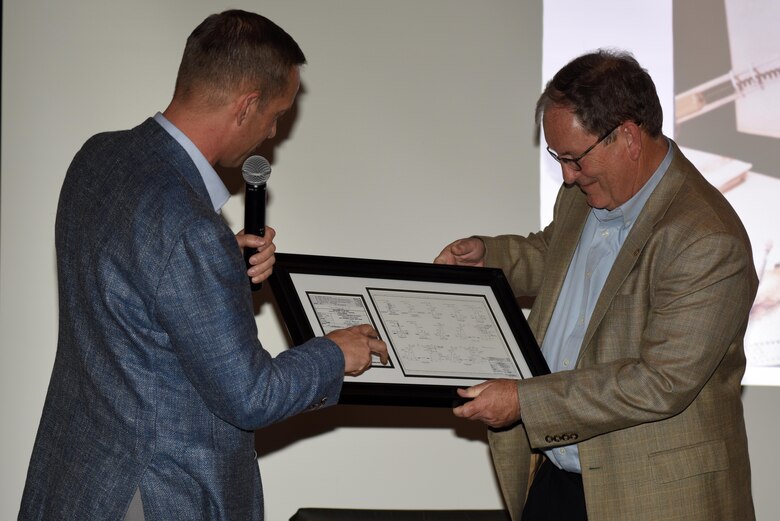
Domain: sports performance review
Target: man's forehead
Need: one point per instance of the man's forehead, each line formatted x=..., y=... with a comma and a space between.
x=563, y=128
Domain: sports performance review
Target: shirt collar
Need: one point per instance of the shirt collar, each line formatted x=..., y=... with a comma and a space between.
x=218, y=193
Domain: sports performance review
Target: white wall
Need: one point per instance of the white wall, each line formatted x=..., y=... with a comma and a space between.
x=415, y=128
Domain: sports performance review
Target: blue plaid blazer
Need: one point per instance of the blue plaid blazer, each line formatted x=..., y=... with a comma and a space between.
x=159, y=377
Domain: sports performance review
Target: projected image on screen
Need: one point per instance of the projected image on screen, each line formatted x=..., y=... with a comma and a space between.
x=727, y=117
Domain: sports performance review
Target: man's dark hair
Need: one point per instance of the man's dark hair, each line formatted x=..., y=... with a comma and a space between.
x=604, y=89
x=236, y=50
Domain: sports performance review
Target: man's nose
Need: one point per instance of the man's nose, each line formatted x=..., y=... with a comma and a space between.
x=570, y=173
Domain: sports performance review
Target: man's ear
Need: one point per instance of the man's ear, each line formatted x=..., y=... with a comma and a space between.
x=632, y=135
x=244, y=105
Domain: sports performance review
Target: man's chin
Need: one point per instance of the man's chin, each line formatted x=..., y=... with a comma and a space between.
x=232, y=163
x=594, y=201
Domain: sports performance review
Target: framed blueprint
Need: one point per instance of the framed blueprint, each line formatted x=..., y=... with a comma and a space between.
x=445, y=326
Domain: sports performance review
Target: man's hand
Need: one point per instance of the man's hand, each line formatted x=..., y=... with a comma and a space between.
x=494, y=403
x=358, y=343
x=262, y=262
x=463, y=252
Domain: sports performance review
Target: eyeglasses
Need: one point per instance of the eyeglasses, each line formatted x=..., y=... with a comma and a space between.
x=574, y=162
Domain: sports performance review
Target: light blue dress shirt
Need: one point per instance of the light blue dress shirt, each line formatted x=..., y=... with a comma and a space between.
x=218, y=193
x=600, y=242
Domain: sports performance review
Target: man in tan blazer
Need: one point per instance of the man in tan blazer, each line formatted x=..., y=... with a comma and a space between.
x=643, y=283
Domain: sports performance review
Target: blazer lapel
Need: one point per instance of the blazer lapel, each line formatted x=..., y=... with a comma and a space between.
x=569, y=223
x=632, y=248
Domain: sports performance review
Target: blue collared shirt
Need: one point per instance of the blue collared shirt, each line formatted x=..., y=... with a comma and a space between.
x=600, y=242
x=218, y=193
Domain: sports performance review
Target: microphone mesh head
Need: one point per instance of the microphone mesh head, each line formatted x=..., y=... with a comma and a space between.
x=256, y=170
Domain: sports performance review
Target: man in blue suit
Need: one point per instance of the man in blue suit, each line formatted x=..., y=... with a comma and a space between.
x=159, y=378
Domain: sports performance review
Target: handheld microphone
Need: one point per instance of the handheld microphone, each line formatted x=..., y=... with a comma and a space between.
x=256, y=171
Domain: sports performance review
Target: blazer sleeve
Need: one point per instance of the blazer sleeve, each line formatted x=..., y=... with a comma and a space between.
x=520, y=258
x=204, y=305
x=661, y=340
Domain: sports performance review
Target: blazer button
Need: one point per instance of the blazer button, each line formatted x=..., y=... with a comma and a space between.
x=318, y=405
x=548, y=439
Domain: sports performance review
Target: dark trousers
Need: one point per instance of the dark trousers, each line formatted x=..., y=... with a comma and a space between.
x=555, y=495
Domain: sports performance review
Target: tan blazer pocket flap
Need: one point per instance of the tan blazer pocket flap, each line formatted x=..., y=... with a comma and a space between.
x=692, y=460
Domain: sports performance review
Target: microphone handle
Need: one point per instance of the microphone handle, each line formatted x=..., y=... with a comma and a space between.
x=254, y=220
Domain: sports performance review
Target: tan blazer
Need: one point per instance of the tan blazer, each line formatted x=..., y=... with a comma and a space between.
x=654, y=402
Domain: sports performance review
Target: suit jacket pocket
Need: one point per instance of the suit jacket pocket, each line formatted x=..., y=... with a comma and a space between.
x=684, y=462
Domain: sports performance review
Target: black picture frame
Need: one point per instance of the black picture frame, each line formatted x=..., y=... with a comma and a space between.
x=304, y=287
